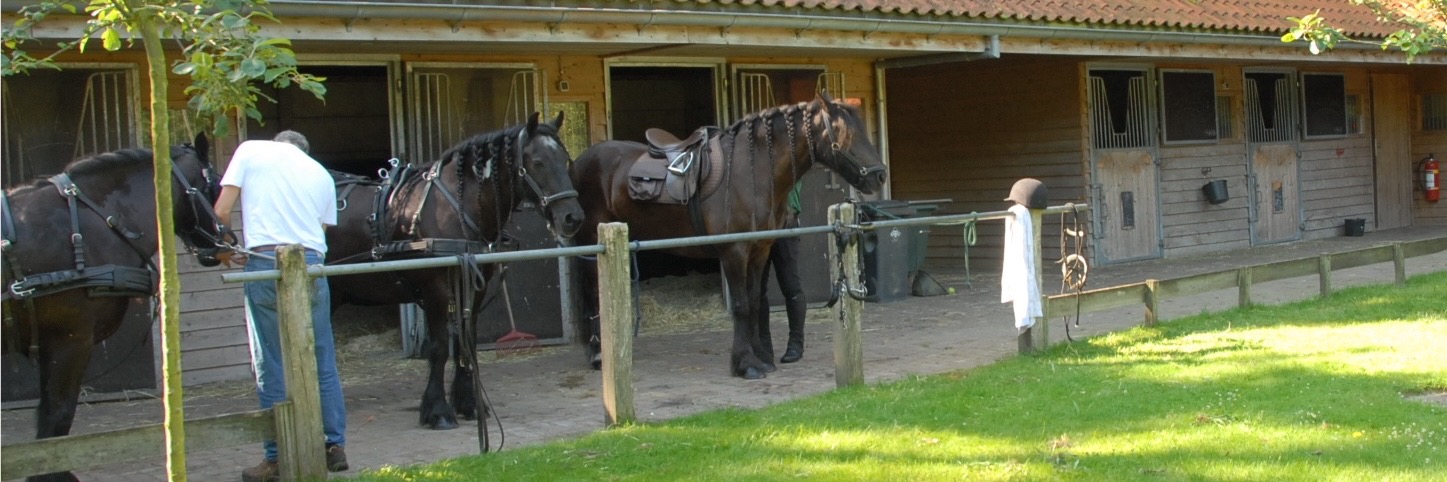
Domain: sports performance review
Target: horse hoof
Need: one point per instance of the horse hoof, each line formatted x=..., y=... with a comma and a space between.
x=752, y=373
x=769, y=367
x=442, y=424
x=597, y=361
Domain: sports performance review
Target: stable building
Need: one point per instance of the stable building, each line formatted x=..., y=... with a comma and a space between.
x=1188, y=127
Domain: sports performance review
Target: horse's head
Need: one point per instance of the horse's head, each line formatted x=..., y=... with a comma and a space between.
x=544, y=170
x=198, y=185
x=848, y=150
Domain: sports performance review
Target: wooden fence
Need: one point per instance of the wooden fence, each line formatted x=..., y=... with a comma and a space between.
x=1151, y=292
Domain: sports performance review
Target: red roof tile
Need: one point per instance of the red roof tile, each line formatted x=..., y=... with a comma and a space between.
x=1254, y=16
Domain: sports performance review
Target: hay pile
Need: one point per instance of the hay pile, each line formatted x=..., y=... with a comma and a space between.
x=683, y=304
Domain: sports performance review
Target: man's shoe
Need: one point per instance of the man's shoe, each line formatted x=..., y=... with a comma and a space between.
x=336, y=458
x=793, y=354
x=266, y=471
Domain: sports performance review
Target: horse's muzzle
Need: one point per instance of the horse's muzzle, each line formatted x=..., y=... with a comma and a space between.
x=208, y=257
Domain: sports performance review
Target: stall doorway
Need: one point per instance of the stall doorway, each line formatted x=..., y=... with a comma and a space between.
x=1273, y=126
x=1123, y=165
x=678, y=99
x=350, y=132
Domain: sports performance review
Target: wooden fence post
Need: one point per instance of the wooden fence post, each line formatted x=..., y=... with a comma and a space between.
x=1153, y=301
x=1399, y=262
x=615, y=311
x=848, y=349
x=1041, y=329
x=1323, y=271
x=1243, y=286
x=300, y=450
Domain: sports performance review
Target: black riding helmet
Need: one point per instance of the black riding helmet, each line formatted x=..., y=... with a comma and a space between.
x=1030, y=193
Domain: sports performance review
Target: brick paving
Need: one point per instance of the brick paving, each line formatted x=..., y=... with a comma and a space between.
x=551, y=395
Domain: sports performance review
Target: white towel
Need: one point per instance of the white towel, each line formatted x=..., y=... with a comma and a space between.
x=1018, y=279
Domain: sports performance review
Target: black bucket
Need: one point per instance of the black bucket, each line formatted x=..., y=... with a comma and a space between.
x=1216, y=192
x=1356, y=227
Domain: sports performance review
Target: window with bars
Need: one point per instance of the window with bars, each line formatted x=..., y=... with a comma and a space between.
x=1120, y=111
x=1188, y=101
x=1324, y=104
x=1225, y=120
x=1434, y=112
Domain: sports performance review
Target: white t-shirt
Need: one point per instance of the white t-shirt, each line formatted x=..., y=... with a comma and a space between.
x=286, y=196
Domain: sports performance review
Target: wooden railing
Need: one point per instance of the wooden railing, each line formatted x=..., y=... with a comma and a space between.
x=1151, y=292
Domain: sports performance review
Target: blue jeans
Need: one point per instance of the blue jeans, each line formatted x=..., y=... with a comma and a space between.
x=262, y=323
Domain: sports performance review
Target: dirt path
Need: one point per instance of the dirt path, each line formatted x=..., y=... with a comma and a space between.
x=549, y=394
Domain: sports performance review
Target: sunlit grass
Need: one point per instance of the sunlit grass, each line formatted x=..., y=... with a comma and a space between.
x=1309, y=391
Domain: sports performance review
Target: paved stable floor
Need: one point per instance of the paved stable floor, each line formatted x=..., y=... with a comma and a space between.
x=549, y=394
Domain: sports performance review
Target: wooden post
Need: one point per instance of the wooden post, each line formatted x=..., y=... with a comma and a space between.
x=615, y=311
x=1323, y=270
x=1041, y=329
x=1153, y=302
x=299, y=435
x=1243, y=286
x=1399, y=261
x=848, y=349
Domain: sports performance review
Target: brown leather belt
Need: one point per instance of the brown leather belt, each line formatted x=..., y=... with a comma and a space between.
x=267, y=248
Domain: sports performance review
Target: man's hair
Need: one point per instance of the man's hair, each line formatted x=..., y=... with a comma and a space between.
x=294, y=138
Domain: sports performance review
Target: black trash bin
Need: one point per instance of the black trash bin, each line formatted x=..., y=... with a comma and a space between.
x=887, y=251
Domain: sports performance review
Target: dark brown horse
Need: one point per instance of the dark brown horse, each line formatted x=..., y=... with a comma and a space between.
x=465, y=198
x=764, y=154
x=78, y=248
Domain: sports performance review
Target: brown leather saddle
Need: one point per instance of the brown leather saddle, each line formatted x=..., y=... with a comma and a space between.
x=676, y=171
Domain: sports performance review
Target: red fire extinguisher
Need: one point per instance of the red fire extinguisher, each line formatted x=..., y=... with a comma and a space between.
x=1431, y=178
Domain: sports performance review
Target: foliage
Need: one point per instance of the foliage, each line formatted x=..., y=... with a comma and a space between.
x=224, y=52
x=1424, y=27
x=1309, y=391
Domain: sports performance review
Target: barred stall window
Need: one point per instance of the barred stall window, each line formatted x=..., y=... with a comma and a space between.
x=1324, y=101
x=1434, y=112
x=1188, y=110
x=1120, y=112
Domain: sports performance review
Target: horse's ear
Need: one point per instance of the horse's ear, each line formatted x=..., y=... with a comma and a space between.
x=533, y=122
x=203, y=146
x=557, y=122
x=823, y=96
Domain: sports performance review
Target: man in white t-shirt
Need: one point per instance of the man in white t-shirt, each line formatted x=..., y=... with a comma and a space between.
x=286, y=198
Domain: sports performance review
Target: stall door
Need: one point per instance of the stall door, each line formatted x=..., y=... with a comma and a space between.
x=1273, y=124
x=1126, y=193
x=761, y=87
x=1392, y=148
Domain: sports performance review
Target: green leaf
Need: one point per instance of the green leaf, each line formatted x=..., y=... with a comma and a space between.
x=183, y=68
x=253, y=67
x=111, y=39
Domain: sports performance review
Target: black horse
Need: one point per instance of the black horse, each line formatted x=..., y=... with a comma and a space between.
x=78, y=248
x=742, y=190
x=454, y=205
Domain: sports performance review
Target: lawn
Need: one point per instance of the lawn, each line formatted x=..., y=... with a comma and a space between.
x=1312, y=391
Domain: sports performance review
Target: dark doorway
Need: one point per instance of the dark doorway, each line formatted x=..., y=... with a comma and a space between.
x=675, y=99
x=350, y=131
x=125, y=361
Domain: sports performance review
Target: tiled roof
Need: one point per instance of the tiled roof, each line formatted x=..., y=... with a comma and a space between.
x=1252, y=16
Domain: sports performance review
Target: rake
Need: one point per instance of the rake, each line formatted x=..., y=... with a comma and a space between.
x=514, y=339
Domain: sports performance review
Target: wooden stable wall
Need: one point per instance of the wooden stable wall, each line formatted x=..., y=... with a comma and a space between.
x=968, y=131
x=1432, y=81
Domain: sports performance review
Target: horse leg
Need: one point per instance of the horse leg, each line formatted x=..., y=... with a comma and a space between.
x=434, y=412
x=591, y=328
x=765, y=339
x=464, y=399
x=61, y=367
x=741, y=273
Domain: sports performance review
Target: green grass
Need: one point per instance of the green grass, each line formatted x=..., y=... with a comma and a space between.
x=1310, y=391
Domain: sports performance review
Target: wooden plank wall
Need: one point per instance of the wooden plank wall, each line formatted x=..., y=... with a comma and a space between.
x=1430, y=81
x=968, y=131
x=1337, y=177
